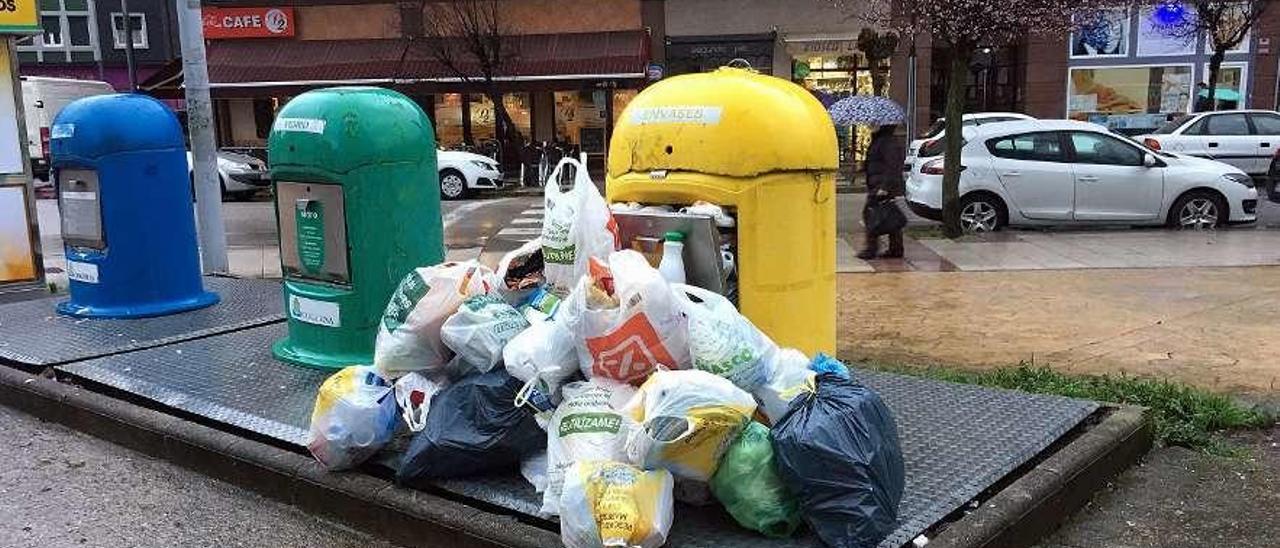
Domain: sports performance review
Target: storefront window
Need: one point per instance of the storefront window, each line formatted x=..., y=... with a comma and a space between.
x=581, y=118
x=1129, y=98
x=448, y=119
x=520, y=109
x=1231, y=88
x=482, y=119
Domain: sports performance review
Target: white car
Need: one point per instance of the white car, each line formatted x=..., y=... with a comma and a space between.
x=1246, y=139
x=461, y=173
x=1058, y=172
x=239, y=175
x=932, y=141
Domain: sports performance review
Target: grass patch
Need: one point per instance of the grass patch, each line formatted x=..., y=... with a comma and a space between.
x=1183, y=415
x=931, y=231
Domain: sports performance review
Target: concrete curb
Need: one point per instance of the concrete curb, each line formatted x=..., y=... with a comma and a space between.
x=1036, y=503
x=403, y=516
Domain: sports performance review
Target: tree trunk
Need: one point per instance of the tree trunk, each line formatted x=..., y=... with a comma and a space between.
x=956, y=82
x=1215, y=66
x=877, y=77
x=505, y=132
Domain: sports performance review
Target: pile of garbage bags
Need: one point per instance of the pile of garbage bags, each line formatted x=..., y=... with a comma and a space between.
x=615, y=393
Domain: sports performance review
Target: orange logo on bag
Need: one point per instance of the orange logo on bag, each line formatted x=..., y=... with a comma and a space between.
x=629, y=353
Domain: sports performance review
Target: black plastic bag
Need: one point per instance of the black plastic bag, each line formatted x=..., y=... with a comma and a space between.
x=837, y=450
x=883, y=217
x=473, y=427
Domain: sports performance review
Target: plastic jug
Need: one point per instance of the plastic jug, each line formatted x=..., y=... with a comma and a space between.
x=672, y=265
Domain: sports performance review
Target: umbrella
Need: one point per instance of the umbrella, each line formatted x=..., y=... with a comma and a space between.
x=866, y=110
x=1223, y=94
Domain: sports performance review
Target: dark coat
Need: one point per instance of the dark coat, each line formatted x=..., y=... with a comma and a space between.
x=885, y=157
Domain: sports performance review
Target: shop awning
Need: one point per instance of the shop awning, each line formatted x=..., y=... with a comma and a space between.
x=308, y=63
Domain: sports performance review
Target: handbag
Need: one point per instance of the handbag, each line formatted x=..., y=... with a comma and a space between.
x=883, y=217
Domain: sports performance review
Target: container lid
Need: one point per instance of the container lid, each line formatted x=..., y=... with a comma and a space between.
x=673, y=236
x=345, y=128
x=100, y=125
x=731, y=122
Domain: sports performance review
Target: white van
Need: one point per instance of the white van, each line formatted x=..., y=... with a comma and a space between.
x=43, y=98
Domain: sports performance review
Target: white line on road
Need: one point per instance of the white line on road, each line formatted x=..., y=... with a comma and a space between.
x=464, y=209
x=535, y=211
x=526, y=220
x=520, y=232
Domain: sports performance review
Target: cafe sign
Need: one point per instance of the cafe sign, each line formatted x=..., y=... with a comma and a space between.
x=262, y=22
x=19, y=17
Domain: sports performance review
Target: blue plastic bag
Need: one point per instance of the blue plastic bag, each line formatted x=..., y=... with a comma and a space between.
x=823, y=363
x=837, y=450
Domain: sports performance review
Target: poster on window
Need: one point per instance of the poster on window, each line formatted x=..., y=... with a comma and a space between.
x=10, y=147
x=17, y=260
x=1158, y=31
x=1129, y=97
x=1102, y=33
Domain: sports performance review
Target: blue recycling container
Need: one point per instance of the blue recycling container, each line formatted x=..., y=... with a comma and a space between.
x=120, y=168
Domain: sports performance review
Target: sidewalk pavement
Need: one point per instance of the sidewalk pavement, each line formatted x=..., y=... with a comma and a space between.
x=1210, y=327
x=1057, y=249
x=65, y=488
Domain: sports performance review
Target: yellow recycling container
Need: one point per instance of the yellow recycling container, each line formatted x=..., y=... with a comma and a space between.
x=765, y=150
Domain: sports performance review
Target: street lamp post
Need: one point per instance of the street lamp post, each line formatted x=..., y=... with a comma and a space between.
x=195, y=74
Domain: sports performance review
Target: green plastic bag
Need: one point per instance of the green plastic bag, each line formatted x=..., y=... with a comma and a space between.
x=749, y=488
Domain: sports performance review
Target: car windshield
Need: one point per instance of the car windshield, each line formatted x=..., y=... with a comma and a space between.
x=1172, y=125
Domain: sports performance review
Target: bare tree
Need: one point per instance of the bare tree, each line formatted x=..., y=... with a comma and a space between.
x=877, y=47
x=471, y=40
x=963, y=26
x=1224, y=23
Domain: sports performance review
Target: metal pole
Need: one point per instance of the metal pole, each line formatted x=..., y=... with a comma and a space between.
x=911, y=91
x=128, y=46
x=195, y=74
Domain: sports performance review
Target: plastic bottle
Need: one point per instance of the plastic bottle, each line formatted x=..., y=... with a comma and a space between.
x=672, y=265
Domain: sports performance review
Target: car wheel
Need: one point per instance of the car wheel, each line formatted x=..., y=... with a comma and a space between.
x=453, y=185
x=1198, y=210
x=981, y=213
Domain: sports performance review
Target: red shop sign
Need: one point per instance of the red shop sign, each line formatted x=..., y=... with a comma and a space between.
x=247, y=22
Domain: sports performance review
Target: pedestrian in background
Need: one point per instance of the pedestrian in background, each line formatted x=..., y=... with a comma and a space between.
x=885, y=157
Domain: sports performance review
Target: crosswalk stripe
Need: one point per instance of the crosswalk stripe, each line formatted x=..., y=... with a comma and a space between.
x=526, y=220
x=535, y=211
x=520, y=232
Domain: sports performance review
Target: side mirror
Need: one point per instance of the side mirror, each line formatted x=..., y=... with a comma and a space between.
x=1150, y=160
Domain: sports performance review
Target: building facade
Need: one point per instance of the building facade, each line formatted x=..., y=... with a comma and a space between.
x=571, y=68
x=85, y=39
x=1123, y=71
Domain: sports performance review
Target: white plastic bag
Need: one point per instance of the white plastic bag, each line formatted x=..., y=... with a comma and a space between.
x=542, y=356
x=577, y=225
x=722, y=341
x=520, y=272
x=479, y=330
x=588, y=425
x=635, y=331
x=413, y=396
x=789, y=376
x=534, y=470
x=354, y=416
x=687, y=421
x=611, y=504
x=409, y=333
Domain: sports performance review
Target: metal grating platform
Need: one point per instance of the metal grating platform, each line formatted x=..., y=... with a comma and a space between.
x=32, y=334
x=958, y=439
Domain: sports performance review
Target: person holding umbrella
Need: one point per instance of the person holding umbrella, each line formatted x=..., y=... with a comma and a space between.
x=885, y=156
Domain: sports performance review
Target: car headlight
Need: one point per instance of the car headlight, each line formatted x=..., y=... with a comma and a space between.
x=482, y=164
x=1239, y=178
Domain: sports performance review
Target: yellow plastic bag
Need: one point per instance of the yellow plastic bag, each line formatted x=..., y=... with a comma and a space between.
x=608, y=504
x=688, y=419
